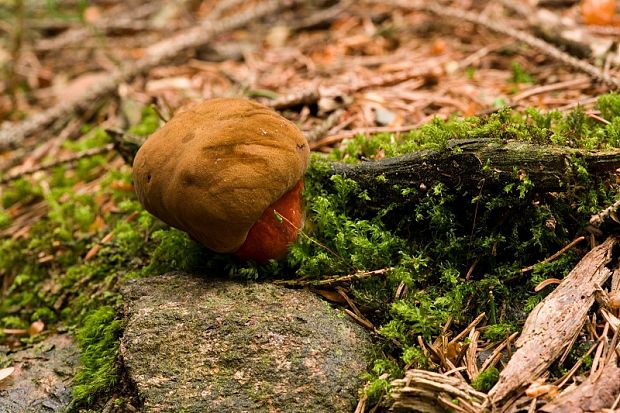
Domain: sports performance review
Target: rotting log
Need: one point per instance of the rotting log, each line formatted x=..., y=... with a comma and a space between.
x=476, y=163
x=555, y=321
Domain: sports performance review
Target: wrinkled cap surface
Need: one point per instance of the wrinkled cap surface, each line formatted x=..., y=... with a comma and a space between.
x=215, y=167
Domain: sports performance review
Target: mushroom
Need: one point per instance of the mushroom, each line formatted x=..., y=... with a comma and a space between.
x=229, y=172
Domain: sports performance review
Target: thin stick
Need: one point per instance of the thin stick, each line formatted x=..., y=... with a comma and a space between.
x=557, y=254
x=332, y=281
x=468, y=328
x=72, y=158
x=572, y=83
x=598, y=219
x=496, y=355
x=361, y=321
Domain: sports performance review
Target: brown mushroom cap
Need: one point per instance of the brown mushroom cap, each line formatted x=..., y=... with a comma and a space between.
x=214, y=168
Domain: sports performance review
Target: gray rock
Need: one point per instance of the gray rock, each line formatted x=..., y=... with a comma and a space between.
x=42, y=377
x=202, y=345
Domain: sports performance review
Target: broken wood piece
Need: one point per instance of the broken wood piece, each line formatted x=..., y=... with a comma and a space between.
x=595, y=394
x=554, y=322
x=430, y=392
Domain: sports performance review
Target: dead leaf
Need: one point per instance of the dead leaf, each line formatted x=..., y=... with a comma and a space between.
x=453, y=350
x=277, y=36
x=122, y=186
x=6, y=372
x=438, y=47
x=331, y=295
x=94, y=250
x=538, y=389
x=599, y=12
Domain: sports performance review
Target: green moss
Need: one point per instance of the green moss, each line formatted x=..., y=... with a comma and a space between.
x=519, y=75
x=498, y=332
x=98, y=340
x=379, y=377
x=486, y=379
x=148, y=124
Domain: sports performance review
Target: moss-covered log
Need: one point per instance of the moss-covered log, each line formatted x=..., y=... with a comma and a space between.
x=473, y=163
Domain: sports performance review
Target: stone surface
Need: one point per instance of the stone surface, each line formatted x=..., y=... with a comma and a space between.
x=197, y=344
x=42, y=377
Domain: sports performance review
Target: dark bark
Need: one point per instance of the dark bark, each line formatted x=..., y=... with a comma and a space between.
x=473, y=163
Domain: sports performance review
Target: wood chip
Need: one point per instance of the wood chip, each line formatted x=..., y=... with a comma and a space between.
x=554, y=322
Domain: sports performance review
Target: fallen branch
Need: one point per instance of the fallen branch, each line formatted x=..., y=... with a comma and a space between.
x=304, y=97
x=156, y=54
x=466, y=163
x=554, y=322
x=122, y=19
x=610, y=211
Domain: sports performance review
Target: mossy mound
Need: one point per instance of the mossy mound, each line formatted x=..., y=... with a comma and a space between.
x=455, y=252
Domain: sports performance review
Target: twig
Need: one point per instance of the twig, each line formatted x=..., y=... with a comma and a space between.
x=556, y=255
x=330, y=282
x=471, y=326
x=321, y=16
x=434, y=68
x=501, y=27
x=497, y=353
x=304, y=97
x=572, y=83
x=321, y=130
x=330, y=140
x=598, y=118
x=598, y=219
x=360, y=320
x=223, y=6
x=68, y=159
x=156, y=54
x=564, y=379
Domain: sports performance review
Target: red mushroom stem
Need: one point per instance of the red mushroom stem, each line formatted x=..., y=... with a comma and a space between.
x=275, y=230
